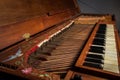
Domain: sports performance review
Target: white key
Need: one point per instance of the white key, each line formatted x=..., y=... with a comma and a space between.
x=111, y=68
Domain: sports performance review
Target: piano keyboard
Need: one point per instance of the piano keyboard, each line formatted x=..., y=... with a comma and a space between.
x=102, y=53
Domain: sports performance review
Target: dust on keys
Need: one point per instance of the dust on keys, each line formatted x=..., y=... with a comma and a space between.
x=58, y=54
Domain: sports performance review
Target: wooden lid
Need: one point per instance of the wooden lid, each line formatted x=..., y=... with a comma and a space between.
x=21, y=19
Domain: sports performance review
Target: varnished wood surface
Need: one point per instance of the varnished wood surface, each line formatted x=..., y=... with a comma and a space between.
x=26, y=46
x=31, y=16
x=19, y=10
x=33, y=41
x=71, y=74
x=13, y=33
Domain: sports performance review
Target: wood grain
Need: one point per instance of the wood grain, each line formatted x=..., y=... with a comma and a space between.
x=31, y=16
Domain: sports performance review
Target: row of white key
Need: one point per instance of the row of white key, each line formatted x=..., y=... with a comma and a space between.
x=110, y=59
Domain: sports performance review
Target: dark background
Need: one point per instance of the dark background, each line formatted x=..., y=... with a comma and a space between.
x=101, y=6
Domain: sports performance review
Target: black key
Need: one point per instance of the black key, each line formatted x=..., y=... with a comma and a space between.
x=94, y=65
x=101, y=32
x=96, y=49
x=95, y=56
x=100, y=36
x=88, y=59
x=102, y=27
x=97, y=41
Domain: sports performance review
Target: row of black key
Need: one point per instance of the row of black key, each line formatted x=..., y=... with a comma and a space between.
x=96, y=58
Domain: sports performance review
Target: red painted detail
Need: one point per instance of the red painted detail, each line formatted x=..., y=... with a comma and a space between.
x=27, y=54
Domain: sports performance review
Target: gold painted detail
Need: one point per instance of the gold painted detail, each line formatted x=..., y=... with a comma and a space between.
x=26, y=36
